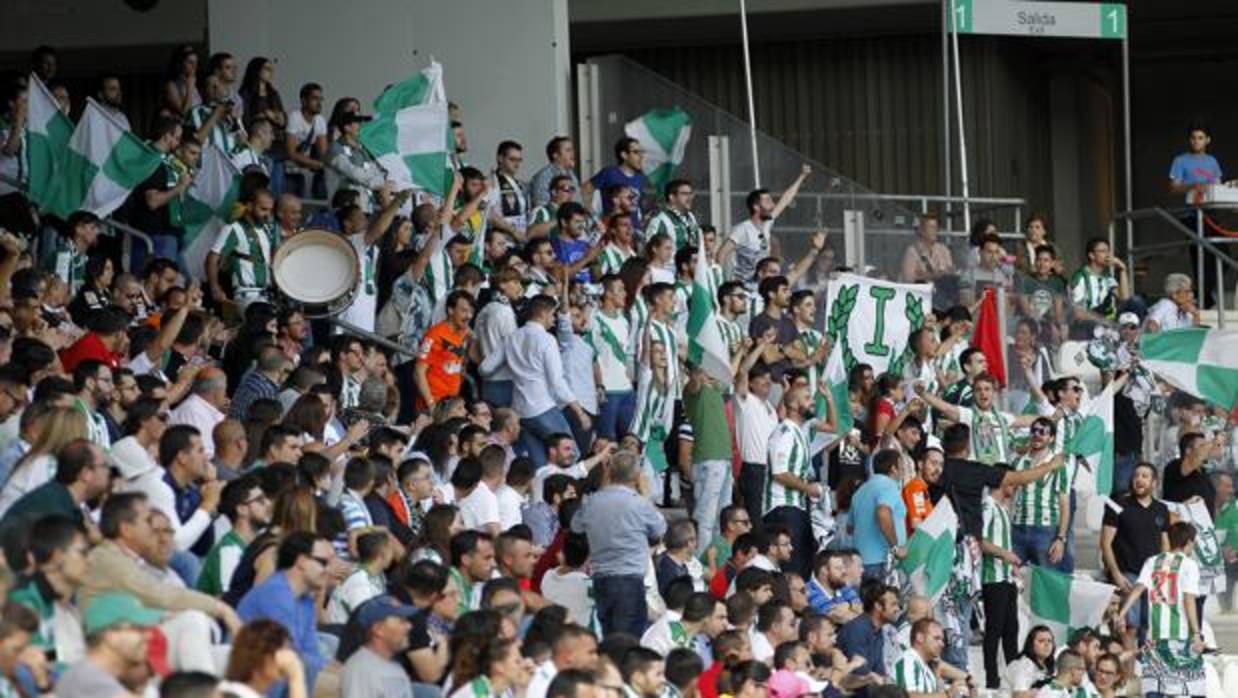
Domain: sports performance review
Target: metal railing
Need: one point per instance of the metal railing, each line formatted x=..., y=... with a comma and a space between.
x=1196, y=240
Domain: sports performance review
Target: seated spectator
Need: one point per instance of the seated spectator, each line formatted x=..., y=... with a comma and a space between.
x=262, y=657
x=371, y=671
x=367, y=581
x=116, y=626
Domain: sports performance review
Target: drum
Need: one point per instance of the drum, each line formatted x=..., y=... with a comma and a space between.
x=317, y=270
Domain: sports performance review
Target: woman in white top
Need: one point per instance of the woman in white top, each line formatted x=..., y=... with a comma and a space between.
x=502, y=671
x=1033, y=664
x=38, y=466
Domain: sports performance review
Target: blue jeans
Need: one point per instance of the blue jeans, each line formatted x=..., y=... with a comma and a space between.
x=583, y=437
x=535, y=431
x=875, y=572
x=1031, y=544
x=1139, y=611
x=711, y=484
x=1123, y=470
x=621, y=604
x=615, y=415
x=186, y=565
x=497, y=393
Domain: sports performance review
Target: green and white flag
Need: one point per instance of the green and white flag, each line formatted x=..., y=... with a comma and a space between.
x=410, y=135
x=208, y=206
x=664, y=134
x=930, y=552
x=48, y=132
x=102, y=165
x=1065, y=603
x=871, y=320
x=1207, y=550
x=706, y=347
x=837, y=382
x=1093, y=440
x=1199, y=360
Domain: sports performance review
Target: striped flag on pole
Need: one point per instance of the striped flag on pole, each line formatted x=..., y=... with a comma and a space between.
x=208, y=206
x=48, y=132
x=1093, y=440
x=664, y=134
x=1199, y=360
x=102, y=165
x=930, y=551
x=706, y=348
x=410, y=133
x=1064, y=602
x=837, y=382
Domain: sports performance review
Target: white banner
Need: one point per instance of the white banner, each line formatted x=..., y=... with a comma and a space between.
x=874, y=319
x=1207, y=546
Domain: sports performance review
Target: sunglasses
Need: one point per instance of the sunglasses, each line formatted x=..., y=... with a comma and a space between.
x=1042, y=431
x=324, y=561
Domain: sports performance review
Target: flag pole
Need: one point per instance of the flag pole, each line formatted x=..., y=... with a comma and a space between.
x=958, y=98
x=752, y=111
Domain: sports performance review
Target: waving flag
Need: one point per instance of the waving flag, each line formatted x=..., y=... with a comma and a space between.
x=102, y=165
x=1201, y=361
x=837, y=382
x=930, y=551
x=1065, y=603
x=664, y=134
x=706, y=348
x=48, y=132
x=989, y=337
x=1093, y=440
x=410, y=133
x=208, y=206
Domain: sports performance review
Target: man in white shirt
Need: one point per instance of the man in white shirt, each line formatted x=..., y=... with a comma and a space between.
x=364, y=307
x=479, y=509
x=776, y=624
x=184, y=465
x=539, y=388
x=1176, y=310
x=573, y=648
x=204, y=408
x=755, y=420
x=751, y=240
x=495, y=322
x=306, y=139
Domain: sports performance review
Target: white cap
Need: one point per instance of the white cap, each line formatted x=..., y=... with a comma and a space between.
x=1128, y=318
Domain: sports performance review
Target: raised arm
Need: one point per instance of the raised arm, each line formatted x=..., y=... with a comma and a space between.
x=801, y=267
x=789, y=195
x=950, y=411
x=379, y=225
x=470, y=207
x=754, y=354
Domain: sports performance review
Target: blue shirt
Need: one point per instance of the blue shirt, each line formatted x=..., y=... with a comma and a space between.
x=542, y=521
x=619, y=523
x=612, y=175
x=859, y=638
x=823, y=601
x=274, y=599
x=255, y=385
x=869, y=540
x=568, y=251
x=1191, y=168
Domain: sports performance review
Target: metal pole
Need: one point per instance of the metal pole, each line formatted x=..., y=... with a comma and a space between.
x=946, y=152
x=1220, y=293
x=1198, y=246
x=752, y=110
x=958, y=101
x=1126, y=129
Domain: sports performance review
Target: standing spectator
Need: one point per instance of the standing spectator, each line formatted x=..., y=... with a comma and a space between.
x=989, y=272
x=916, y=495
x=579, y=362
x=676, y=218
x=609, y=334
x=990, y=428
x=508, y=208
x=260, y=99
x=1184, y=476
x=1128, y=539
x=180, y=90
x=243, y=251
x=544, y=221
x=306, y=144
x=1042, y=509
x=561, y=153
x=495, y=321
x=1097, y=288
x=157, y=203
x=1042, y=295
x=349, y=166
x=626, y=172
x=711, y=454
x=371, y=671
x=67, y=259
x=214, y=122
x=791, y=480
x=752, y=240
x=1177, y=309
x=620, y=523
x=1000, y=595
x=877, y=510
x=287, y=597
x=439, y=370
x=1194, y=170
x=755, y=421
x=532, y=355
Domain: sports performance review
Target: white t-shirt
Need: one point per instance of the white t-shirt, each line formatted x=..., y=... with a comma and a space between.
x=572, y=590
x=481, y=507
x=539, y=478
x=756, y=420
x=301, y=130
x=1168, y=316
x=509, y=506
x=539, y=683
x=356, y=589
x=751, y=245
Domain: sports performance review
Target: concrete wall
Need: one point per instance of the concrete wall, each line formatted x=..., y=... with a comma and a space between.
x=506, y=64
x=70, y=24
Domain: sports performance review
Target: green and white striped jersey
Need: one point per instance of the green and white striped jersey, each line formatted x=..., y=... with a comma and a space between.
x=68, y=263
x=544, y=214
x=731, y=334
x=1169, y=577
x=994, y=569
x=613, y=257
x=655, y=412
x=788, y=453
x=813, y=341
x=609, y=336
x=990, y=434
x=664, y=333
x=1037, y=504
x=244, y=252
x=912, y=674
x=1095, y=292
x=96, y=425
x=682, y=227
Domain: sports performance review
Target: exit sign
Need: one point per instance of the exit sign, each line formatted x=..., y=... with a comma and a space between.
x=1105, y=20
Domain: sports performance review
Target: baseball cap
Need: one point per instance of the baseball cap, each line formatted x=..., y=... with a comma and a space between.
x=380, y=608
x=116, y=607
x=1128, y=318
x=354, y=118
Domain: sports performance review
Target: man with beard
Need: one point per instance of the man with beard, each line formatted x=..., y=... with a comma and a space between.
x=791, y=481
x=751, y=239
x=828, y=591
x=249, y=511
x=918, y=492
x=244, y=250
x=93, y=382
x=116, y=630
x=111, y=97
x=991, y=429
x=575, y=648
x=1042, y=509
x=1129, y=538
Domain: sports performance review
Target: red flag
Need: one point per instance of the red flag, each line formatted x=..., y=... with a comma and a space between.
x=988, y=336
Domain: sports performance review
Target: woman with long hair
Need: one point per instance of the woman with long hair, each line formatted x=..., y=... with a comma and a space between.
x=310, y=415
x=180, y=88
x=500, y=669
x=439, y=443
x=440, y=524
x=261, y=98
x=95, y=293
x=1034, y=663
x=395, y=254
x=38, y=466
x=882, y=404
x=343, y=105
x=660, y=254
x=261, y=657
x=748, y=679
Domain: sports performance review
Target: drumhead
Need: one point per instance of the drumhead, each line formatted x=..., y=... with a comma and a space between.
x=316, y=267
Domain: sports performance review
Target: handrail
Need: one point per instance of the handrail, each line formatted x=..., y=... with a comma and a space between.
x=372, y=337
